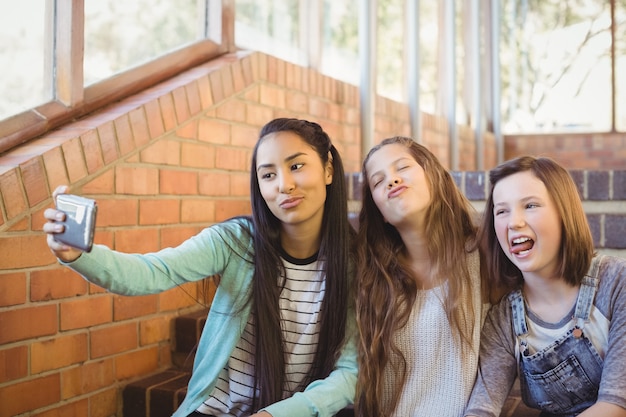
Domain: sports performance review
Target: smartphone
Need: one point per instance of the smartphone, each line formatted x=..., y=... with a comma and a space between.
x=80, y=221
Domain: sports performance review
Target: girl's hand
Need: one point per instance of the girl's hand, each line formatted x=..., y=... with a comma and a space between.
x=53, y=226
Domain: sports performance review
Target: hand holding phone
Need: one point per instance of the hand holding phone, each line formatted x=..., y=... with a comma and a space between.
x=80, y=221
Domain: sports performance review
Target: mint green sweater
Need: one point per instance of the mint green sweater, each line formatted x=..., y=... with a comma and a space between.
x=216, y=250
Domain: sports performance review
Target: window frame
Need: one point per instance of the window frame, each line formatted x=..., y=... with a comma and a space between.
x=64, y=72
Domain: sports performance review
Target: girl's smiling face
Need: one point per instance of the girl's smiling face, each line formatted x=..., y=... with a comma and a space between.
x=527, y=224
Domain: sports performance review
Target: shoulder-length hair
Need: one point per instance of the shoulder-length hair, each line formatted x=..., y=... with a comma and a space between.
x=577, y=248
x=334, y=253
x=386, y=289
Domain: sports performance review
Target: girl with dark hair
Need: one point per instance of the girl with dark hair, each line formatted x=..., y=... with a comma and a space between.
x=278, y=337
x=420, y=300
x=562, y=327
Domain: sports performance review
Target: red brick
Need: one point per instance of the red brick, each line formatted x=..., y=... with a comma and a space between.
x=21, y=225
x=128, y=307
x=55, y=168
x=162, y=152
x=239, y=83
x=217, y=88
x=74, y=160
x=103, y=184
x=153, y=115
x=227, y=81
x=196, y=155
x=197, y=211
x=58, y=353
x=159, y=212
x=136, y=181
x=124, y=133
x=180, y=297
x=137, y=240
x=193, y=98
x=178, y=182
x=247, y=71
x=18, y=398
x=12, y=289
x=214, y=131
x=87, y=378
x=181, y=107
x=139, y=126
x=167, y=111
x=74, y=409
x=104, y=403
x=12, y=194
x=56, y=283
x=233, y=110
x=204, y=89
x=37, y=219
x=258, y=115
x=214, y=184
x=154, y=330
x=86, y=312
x=172, y=237
x=227, y=209
x=13, y=363
x=240, y=184
x=92, y=150
x=252, y=94
x=34, y=179
x=245, y=136
x=233, y=159
x=108, y=142
x=318, y=108
x=113, y=339
x=117, y=212
x=24, y=251
x=138, y=363
x=188, y=130
x=272, y=96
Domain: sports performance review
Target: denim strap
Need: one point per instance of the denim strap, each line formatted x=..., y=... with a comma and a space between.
x=587, y=292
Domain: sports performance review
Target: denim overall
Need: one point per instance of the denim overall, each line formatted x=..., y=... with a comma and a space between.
x=562, y=379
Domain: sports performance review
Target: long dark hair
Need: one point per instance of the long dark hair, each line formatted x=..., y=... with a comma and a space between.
x=577, y=248
x=334, y=252
x=386, y=288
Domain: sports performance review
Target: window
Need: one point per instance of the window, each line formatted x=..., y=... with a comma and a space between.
x=620, y=65
x=556, y=66
x=274, y=27
x=121, y=35
x=22, y=56
x=62, y=59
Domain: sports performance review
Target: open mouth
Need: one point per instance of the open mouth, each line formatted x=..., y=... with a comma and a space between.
x=521, y=245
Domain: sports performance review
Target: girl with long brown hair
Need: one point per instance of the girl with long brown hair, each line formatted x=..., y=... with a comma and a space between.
x=420, y=302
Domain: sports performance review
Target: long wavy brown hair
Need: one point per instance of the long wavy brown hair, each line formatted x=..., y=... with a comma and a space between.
x=386, y=287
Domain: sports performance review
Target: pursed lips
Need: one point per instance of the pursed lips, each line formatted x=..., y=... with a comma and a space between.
x=290, y=202
x=396, y=191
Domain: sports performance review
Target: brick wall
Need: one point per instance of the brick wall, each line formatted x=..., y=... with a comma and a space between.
x=162, y=165
x=601, y=151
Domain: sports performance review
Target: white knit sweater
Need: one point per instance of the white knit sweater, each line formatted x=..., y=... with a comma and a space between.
x=439, y=381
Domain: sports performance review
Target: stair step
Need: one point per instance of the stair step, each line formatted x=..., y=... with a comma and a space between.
x=156, y=395
x=187, y=331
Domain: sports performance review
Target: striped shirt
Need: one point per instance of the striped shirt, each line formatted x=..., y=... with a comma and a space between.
x=300, y=304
